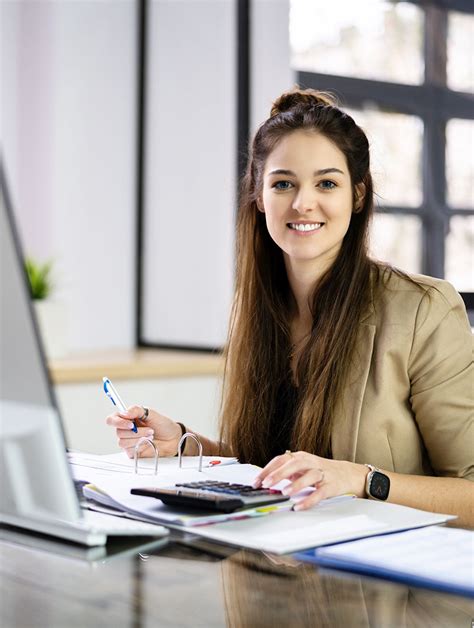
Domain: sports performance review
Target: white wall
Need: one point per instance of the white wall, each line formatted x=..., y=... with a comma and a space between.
x=270, y=74
x=194, y=401
x=26, y=116
x=68, y=133
x=191, y=172
x=68, y=137
x=190, y=200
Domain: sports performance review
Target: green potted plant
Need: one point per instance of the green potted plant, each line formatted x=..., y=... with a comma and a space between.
x=50, y=314
x=39, y=277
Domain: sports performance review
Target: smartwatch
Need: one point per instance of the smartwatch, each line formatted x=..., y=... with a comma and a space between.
x=377, y=484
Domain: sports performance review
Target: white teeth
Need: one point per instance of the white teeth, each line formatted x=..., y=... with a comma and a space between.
x=300, y=227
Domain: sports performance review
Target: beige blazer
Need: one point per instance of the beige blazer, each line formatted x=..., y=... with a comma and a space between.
x=409, y=407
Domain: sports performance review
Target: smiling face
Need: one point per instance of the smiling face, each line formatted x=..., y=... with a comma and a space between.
x=307, y=200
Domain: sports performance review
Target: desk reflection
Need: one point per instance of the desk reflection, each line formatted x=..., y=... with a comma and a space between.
x=261, y=591
x=178, y=584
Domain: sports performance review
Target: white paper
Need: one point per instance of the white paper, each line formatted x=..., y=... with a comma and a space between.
x=331, y=521
x=121, y=463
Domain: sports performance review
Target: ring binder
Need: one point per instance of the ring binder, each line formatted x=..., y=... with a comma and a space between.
x=181, y=441
x=143, y=440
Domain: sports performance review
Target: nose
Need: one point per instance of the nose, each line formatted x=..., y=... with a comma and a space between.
x=305, y=200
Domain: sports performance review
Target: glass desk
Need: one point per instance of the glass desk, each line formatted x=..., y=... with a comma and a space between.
x=183, y=581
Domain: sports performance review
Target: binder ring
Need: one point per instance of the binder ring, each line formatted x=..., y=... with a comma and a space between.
x=148, y=441
x=198, y=442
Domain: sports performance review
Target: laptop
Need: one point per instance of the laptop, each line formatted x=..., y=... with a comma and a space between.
x=37, y=491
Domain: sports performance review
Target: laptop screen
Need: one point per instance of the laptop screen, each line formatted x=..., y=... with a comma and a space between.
x=35, y=480
x=23, y=376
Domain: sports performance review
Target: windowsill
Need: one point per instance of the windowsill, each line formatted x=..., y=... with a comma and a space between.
x=133, y=364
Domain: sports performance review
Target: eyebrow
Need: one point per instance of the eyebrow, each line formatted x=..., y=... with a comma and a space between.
x=316, y=173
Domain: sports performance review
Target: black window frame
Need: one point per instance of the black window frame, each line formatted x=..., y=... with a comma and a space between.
x=417, y=100
x=435, y=103
x=242, y=131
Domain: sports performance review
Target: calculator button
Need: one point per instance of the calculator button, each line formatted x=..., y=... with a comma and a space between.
x=260, y=492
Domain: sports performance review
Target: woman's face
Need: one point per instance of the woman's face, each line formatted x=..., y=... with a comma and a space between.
x=307, y=199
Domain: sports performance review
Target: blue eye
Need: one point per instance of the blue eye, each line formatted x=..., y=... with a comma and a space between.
x=327, y=185
x=282, y=185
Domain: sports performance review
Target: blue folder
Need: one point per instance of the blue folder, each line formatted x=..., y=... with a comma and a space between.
x=439, y=545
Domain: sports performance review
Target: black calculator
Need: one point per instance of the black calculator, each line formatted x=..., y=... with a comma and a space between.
x=213, y=495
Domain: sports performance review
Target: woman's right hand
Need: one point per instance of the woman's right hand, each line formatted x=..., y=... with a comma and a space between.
x=164, y=432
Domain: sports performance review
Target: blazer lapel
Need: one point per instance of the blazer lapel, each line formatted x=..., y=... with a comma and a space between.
x=346, y=424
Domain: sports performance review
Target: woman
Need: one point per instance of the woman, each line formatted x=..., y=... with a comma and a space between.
x=334, y=361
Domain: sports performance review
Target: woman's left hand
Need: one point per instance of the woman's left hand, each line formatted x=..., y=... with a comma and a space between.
x=328, y=477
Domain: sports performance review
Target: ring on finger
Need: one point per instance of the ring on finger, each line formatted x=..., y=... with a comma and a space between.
x=146, y=412
x=289, y=452
x=322, y=477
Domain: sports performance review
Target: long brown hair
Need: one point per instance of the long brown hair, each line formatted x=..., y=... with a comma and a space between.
x=259, y=345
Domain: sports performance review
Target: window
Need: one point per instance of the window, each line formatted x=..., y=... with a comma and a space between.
x=371, y=39
x=460, y=68
x=404, y=71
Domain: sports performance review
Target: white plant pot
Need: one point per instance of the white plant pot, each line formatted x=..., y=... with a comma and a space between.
x=52, y=321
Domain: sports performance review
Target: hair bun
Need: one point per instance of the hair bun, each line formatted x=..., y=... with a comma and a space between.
x=301, y=97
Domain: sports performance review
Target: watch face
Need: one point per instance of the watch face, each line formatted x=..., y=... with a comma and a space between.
x=379, y=485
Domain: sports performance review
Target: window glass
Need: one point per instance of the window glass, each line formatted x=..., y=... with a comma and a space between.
x=460, y=253
x=397, y=239
x=374, y=39
x=460, y=49
x=396, y=142
x=459, y=163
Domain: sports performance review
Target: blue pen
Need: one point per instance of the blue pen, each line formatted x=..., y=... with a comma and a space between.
x=114, y=397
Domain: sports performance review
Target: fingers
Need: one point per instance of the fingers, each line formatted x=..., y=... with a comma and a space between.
x=134, y=412
x=125, y=437
x=126, y=420
x=270, y=469
x=166, y=426
x=119, y=421
x=128, y=440
x=316, y=496
x=285, y=466
x=305, y=470
x=312, y=477
x=145, y=451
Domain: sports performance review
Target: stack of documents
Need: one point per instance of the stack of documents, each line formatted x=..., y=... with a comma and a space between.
x=332, y=521
x=110, y=485
x=110, y=494
x=339, y=519
x=435, y=557
x=111, y=464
